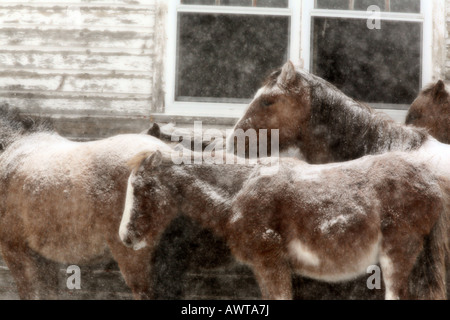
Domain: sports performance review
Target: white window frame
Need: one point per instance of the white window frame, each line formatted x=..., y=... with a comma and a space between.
x=232, y=110
x=301, y=13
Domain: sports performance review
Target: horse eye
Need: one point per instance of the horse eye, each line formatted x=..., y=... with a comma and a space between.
x=267, y=102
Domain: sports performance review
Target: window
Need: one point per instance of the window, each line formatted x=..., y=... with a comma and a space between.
x=221, y=50
x=405, y=6
x=224, y=49
x=378, y=65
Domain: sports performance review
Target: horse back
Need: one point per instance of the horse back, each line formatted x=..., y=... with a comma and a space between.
x=66, y=196
x=332, y=220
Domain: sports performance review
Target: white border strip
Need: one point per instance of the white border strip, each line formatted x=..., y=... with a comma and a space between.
x=348, y=14
x=235, y=10
x=427, y=42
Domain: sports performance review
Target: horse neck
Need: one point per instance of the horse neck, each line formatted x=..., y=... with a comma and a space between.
x=205, y=192
x=354, y=130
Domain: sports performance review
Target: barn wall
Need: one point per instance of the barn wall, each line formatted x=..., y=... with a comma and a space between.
x=97, y=66
x=447, y=40
x=439, y=39
x=90, y=60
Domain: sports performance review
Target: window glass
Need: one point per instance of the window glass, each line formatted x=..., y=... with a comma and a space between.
x=377, y=66
x=406, y=6
x=224, y=57
x=241, y=3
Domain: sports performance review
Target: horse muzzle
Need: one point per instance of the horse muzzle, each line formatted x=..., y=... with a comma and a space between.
x=131, y=241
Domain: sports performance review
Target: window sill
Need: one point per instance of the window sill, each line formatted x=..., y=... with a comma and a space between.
x=211, y=120
x=190, y=119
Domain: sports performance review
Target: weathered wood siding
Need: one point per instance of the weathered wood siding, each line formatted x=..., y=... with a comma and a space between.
x=447, y=40
x=81, y=58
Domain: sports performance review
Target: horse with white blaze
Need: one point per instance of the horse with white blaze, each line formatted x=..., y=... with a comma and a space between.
x=326, y=222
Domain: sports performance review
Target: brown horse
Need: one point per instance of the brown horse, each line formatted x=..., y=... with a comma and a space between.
x=328, y=222
x=431, y=110
x=327, y=126
x=62, y=201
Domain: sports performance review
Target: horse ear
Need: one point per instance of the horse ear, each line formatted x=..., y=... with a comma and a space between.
x=439, y=91
x=152, y=161
x=154, y=131
x=440, y=86
x=288, y=74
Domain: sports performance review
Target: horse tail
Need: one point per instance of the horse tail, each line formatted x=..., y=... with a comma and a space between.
x=433, y=263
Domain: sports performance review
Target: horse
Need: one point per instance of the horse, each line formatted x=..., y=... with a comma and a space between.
x=327, y=126
x=327, y=222
x=320, y=120
x=62, y=202
x=431, y=110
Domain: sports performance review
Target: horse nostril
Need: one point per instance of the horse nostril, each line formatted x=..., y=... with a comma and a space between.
x=127, y=241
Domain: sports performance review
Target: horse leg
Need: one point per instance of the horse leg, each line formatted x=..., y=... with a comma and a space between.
x=47, y=279
x=274, y=280
x=397, y=263
x=135, y=267
x=24, y=266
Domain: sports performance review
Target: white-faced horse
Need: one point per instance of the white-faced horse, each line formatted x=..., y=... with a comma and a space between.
x=327, y=222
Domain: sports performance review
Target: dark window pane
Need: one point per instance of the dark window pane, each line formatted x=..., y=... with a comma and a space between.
x=407, y=6
x=200, y=2
x=225, y=57
x=333, y=4
x=377, y=66
x=241, y=3
x=362, y=5
x=272, y=3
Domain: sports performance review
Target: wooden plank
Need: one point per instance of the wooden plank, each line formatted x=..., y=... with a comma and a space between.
x=8, y=289
x=69, y=105
x=90, y=128
x=86, y=82
x=83, y=2
x=160, y=57
x=86, y=61
x=69, y=15
x=75, y=37
x=231, y=282
x=95, y=285
x=188, y=121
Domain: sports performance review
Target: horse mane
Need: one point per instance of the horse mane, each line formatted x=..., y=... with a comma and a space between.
x=271, y=80
x=136, y=161
x=14, y=125
x=356, y=129
x=11, y=118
